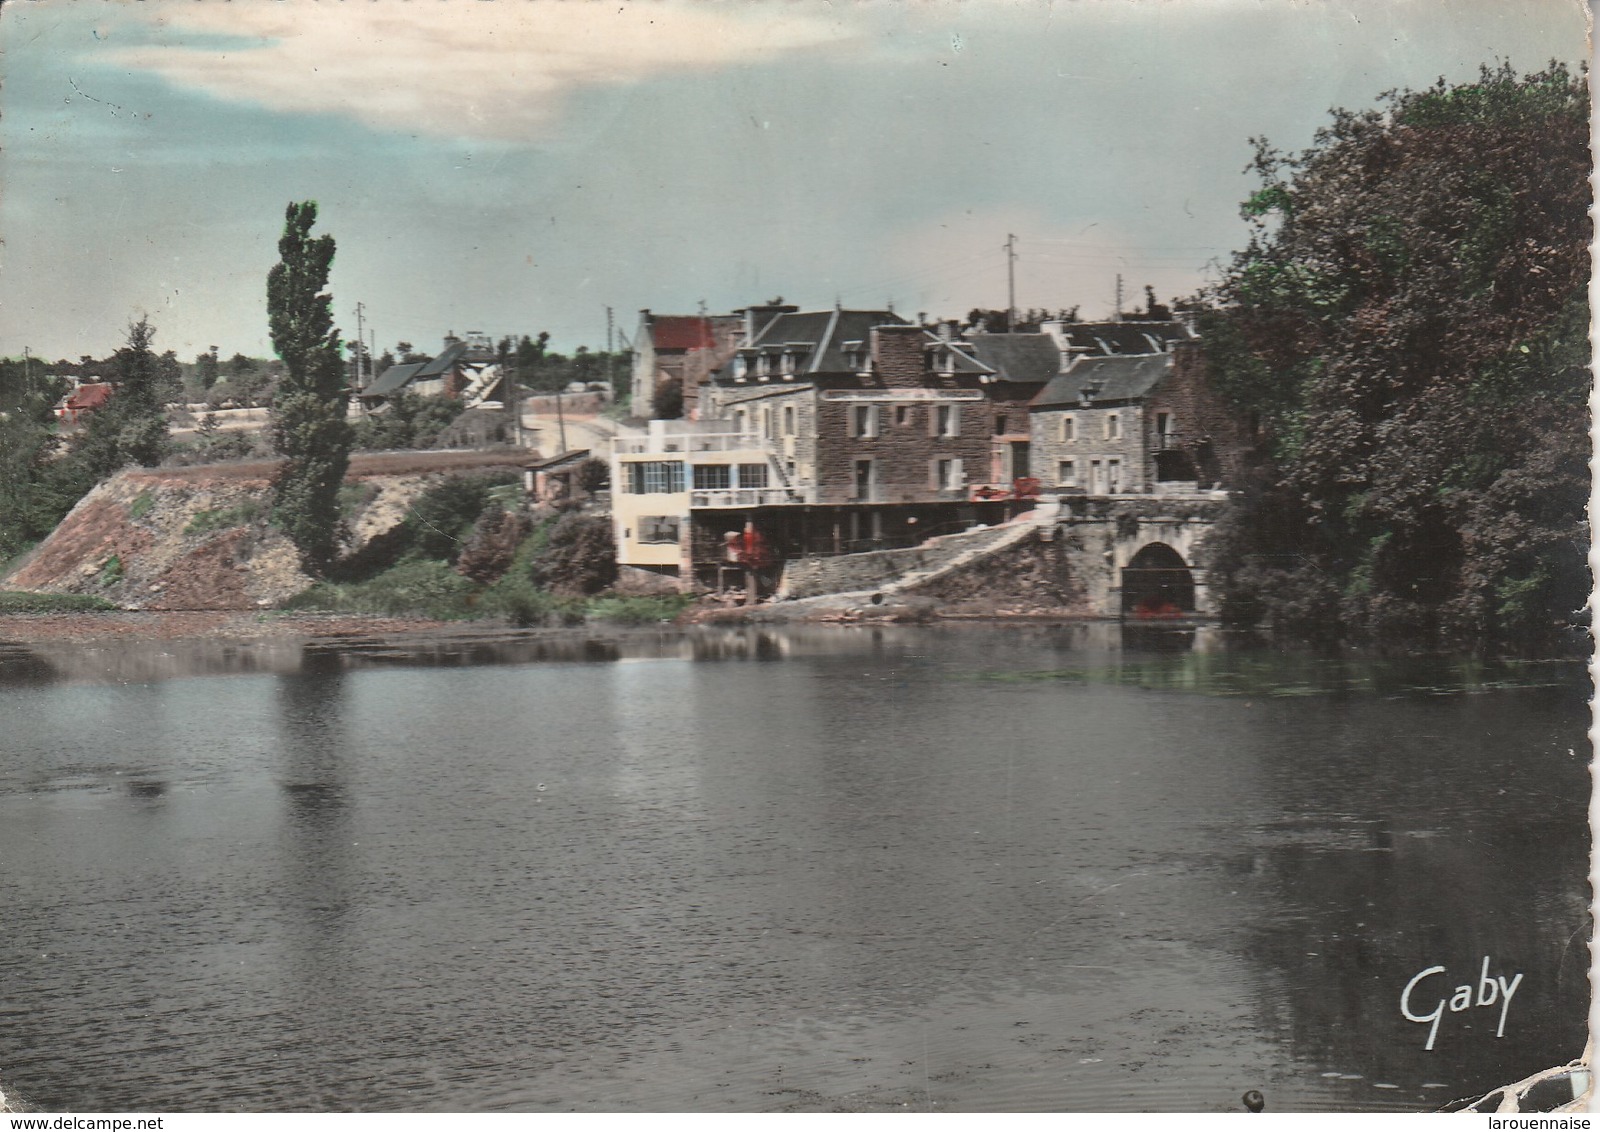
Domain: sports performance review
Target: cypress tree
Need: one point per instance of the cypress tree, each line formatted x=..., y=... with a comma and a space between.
x=308, y=415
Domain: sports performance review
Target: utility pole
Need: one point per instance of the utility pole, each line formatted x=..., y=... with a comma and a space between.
x=1011, y=282
x=561, y=422
x=361, y=346
x=611, y=380
x=27, y=372
x=513, y=398
x=1117, y=317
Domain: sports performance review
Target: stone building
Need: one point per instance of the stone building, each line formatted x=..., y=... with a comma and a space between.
x=1135, y=424
x=680, y=349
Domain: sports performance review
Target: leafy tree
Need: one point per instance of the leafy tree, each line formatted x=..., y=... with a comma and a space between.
x=239, y=365
x=410, y=421
x=308, y=414
x=131, y=428
x=580, y=557
x=207, y=366
x=1409, y=328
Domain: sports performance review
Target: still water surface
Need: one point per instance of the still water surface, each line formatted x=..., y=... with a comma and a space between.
x=824, y=869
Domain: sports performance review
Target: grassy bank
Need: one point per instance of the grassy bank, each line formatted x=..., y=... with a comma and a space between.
x=18, y=602
x=434, y=590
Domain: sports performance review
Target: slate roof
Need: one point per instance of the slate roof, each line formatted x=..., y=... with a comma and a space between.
x=446, y=360
x=396, y=378
x=1125, y=377
x=822, y=334
x=1015, y=357
x=392, y=380
x=1128, y=337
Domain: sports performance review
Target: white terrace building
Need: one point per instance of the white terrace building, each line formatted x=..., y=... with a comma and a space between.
x=660, y=473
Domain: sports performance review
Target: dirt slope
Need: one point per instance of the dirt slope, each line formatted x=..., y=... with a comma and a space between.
x=197, y=538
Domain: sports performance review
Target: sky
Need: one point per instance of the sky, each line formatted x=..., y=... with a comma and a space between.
x=517, y=166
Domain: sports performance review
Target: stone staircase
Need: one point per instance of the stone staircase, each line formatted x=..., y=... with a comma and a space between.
x=898, y=571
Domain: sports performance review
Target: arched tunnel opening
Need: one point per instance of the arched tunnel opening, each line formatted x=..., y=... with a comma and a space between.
x=1156, y=584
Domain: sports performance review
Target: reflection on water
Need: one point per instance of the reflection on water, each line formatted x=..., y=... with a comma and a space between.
x=885, y=868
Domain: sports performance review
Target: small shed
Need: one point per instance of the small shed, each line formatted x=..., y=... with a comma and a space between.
x=554, y=479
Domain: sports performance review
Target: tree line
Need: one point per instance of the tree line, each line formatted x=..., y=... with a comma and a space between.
x=1408, y=331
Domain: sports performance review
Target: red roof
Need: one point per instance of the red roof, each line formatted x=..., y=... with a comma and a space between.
x=89, y=396
x=681, y=332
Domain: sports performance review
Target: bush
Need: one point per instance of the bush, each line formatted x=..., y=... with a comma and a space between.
x=580, y=557
x=417, y=589
x=409, y=421
x=494, y=542
x=17, y=602
x=442, y=518
x=521, y=603
x=240, y=515
x=640, y=609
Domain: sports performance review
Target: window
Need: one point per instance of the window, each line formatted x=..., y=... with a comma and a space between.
x=1067, y=473
x=712, y=477
x=946, y=475
x=999, y=424
x=752, y=475
x=741, y=421
x=766, y=422
x=1069, y=427
x=1113, y=426
x=946, y=420
x=1114, y=476
x=654, y=477
x=863, y=420
x=764, y=365
x=788, y=420
x=658, y=528
x=866, y=479
x=788, y=362
x=902, y=414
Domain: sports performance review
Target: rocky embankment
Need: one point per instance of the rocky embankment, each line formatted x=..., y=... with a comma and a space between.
x=199, y=538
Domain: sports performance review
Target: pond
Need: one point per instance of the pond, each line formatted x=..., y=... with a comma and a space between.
x=971, y=868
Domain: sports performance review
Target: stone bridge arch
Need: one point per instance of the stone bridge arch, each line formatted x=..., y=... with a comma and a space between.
x=1174, y=546
x=1157, y=583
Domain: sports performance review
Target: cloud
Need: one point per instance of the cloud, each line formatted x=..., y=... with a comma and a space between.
x=484, y=69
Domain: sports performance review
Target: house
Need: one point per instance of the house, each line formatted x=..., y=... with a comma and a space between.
x=466, y=369
x=833, y=431
x=826, y=432
x=680, y=349
x=85, y=399
x=1122, y=424
x=555, y=480
x=676, y=476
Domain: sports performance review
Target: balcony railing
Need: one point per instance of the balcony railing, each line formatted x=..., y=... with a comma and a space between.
x=689, y=443
x=891, y=493
x=748, y=497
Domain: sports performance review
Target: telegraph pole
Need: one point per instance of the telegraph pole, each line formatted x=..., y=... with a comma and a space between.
x=361, y=346
x=1011, y=282
x=611, y=379
x=1117, y=317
